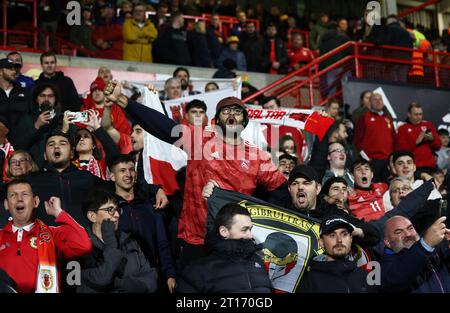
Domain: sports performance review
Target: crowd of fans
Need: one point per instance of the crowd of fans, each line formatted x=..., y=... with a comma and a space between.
x=73, y=188
x=157, y=32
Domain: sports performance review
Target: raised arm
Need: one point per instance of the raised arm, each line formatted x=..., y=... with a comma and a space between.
x=152, y=121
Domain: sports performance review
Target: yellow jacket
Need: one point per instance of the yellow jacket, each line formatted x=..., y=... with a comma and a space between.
x=137, y=44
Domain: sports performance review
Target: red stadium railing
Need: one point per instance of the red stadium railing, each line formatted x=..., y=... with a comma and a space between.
x=360, y=60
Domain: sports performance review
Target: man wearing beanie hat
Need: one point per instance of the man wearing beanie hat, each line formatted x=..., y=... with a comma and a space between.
x=215, y=158
x=112, y=117
x=335, y=271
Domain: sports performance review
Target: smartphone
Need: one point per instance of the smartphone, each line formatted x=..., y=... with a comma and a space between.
x=79, y=117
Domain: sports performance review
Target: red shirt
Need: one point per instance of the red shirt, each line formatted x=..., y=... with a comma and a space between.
x=423, y=153
x=375, y=135
x=111, y=33
x=71, y=241
x=119, y=121
x=299, y=55
x=242, y=173
x=368, y=204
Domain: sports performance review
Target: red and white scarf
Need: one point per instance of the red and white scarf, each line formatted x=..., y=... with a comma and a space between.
x=47, y=274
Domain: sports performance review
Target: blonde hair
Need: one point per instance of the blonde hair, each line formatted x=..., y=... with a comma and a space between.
x=34, y=166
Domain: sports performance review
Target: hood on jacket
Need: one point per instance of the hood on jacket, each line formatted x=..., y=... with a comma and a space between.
x=58, y=75
x=342, y=267
x=233, y=248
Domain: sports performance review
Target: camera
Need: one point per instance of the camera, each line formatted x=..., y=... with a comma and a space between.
x=79, y=117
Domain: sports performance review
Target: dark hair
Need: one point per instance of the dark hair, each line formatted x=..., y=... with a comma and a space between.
x=61, y=134
x=360, y=162
x=226, y=214
x=335, y=126
x=329, y=182
x=331, y=101
x=120, y=158
x=442, y=132
x=40, y=87
x=13, y=53
x=179, y=69
x=18, y=181
x=414, y=105
x=47, y=54
x=212, y=83
x=399, y=154
x=362, y=95
x=196, y=104
x=270, y=98
x=98, y=197
x=284, y=139
x=97, y=153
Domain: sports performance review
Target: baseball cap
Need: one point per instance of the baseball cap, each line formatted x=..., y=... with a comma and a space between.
x=98, y=83
x=333, y=222
x=7, y=63
x=304, y=171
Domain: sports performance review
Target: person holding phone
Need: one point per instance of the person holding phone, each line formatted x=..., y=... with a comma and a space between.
x=46, y=118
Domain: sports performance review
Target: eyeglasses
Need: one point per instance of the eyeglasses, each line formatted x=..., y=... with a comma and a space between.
x=404, y=189
x=112, y=210
x=337, y=150
x=18, y=162
x=234, y=110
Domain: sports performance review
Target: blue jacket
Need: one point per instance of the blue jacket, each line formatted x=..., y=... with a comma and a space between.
x=147, y=226
x=416, y=269
x=237, y=56
x=25, y=81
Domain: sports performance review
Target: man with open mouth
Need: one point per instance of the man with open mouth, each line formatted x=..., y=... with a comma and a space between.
x=218, y=158
x=366, y=200
x=30, y=250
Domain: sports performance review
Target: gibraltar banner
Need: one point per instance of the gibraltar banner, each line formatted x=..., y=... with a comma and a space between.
x=288, y=239
x=308, y=120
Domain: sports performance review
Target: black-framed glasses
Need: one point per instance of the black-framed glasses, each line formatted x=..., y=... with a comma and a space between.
x=234, y=110
x=112, y=210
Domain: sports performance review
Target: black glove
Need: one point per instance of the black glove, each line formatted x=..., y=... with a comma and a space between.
x=109, y=234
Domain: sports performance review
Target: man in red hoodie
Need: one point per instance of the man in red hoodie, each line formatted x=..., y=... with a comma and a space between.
x=374, y=137
x=419, y=137
x=113, y=118
x=30, y=250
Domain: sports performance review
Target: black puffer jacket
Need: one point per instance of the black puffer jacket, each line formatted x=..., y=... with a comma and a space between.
x=232, y=267
x=70, y=185
x=120, y=269
x=340, y=276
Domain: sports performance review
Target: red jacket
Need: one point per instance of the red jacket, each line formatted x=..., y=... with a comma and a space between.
x=299, y=55
x=210, y=158
x=423, y=153
x=71, y=241
x=111, y=33
x=119, y=121
x=375, y=135
x=368, y=204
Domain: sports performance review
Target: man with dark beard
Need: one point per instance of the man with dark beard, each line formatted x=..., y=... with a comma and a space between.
x=334, y=271
x=414, y=264
x=218, y=157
